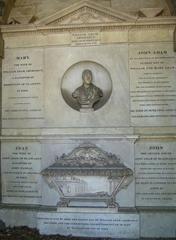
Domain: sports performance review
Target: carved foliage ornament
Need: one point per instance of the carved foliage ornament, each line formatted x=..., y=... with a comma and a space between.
x=70, y=176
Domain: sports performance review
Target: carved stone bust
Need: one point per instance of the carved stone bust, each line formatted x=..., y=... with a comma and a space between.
x=87, y=95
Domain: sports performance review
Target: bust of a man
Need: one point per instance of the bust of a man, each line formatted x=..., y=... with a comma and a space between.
x=87, y=95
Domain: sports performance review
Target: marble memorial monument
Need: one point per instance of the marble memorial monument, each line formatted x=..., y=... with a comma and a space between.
x=88, y=117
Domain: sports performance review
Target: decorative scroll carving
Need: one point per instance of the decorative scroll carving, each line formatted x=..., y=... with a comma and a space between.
x=71, y=176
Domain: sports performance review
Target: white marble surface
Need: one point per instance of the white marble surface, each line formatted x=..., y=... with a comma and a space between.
x=155, y=167
x=158, y=225
x=20, y=172
x=22, y=163
x=22, y=88
x=120, y=147
x=89, y=225
x=19, y=217
x=39, y=102
x=152, y=84
x=114, y=60
x=152, y=225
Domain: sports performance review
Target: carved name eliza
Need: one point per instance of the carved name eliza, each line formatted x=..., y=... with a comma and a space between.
x=20, y=173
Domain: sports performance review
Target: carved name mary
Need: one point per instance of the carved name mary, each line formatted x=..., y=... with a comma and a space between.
x=88, y=175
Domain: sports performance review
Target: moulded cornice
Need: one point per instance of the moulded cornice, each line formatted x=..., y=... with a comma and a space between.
x=89, y=15
x=140, y=23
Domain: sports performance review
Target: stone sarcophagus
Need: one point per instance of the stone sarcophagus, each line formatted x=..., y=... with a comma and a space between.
x=88, y=176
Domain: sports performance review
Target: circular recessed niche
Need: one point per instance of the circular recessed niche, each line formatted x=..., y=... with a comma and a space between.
x=72, y=79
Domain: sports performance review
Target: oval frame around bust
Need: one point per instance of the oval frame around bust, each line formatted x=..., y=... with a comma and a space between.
x=72, y=79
